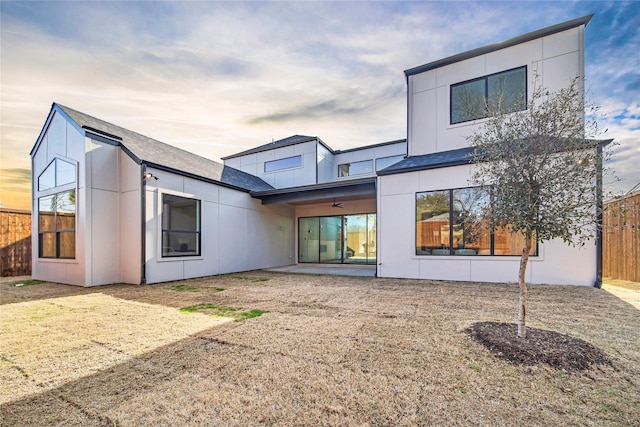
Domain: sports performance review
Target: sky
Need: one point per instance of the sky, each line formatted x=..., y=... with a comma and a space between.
x=217, y=78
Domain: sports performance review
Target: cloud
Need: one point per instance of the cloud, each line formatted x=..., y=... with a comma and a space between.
x=15, y=176
x=220, y=77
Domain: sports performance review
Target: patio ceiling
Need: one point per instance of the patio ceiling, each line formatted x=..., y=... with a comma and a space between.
x=363, y=188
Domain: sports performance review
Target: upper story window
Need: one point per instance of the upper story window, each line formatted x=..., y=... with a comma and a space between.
x=180, y=226
x=384, y=162
x=286, y=163
x=505, y=91
x=57, y=210
x=355, y=168
x=58, y=173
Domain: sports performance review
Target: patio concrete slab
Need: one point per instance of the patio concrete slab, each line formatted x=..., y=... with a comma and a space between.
x=330, y=269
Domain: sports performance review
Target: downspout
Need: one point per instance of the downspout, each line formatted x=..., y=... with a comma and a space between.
x=143, y=224
x=599, y=207
x=377, y=225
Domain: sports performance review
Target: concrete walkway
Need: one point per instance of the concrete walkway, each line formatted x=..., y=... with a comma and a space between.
x=628, y=295
x=331, y=269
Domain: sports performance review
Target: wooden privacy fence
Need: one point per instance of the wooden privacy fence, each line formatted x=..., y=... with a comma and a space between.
x=15, y=242
x=621, y=238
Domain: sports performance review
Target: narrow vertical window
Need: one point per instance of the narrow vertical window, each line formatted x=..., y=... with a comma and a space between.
x=180, y=226
x=433, y=223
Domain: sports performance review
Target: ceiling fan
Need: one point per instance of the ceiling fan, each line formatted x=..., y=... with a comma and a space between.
x=336, y=205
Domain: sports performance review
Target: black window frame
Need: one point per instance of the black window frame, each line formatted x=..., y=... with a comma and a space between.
x=166, y=231
x=452, y=222
x=486, y=93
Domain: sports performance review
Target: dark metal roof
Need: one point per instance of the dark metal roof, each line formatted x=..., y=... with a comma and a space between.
x=298, y=139
x=319, y=192
x=497, y=46
x=381, y=144
x=164, y=156
x=292, y=140
x=443, y=159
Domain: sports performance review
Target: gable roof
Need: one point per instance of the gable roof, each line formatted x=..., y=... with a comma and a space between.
x=285, y=142
x=497, y=46
x=154, y=153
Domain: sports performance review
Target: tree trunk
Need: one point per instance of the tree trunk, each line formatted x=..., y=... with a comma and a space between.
x=522, y=331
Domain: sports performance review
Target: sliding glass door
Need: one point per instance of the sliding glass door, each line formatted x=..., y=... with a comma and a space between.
x=309, y=240
x=341, y=239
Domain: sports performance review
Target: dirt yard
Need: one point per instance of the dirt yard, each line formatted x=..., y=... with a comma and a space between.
x=305, y=350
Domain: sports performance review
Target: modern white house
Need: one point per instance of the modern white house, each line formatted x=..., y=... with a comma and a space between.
x=114, y=206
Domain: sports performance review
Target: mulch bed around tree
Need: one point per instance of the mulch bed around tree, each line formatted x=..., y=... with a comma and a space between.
x=560, y=351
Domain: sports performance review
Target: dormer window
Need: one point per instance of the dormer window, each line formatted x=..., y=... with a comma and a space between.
x=505, y=91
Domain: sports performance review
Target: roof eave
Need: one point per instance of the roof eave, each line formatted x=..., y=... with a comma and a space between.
x=194, y=176
x=267, y=148
x=384, y=172
x=501, y=45
x=318, y=192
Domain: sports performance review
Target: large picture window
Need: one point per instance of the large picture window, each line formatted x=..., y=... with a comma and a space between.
x=57, y=225
x=455, y=222
x=505, y=91
x=180, y=226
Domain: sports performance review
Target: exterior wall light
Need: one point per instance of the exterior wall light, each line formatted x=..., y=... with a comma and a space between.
x=149, y=175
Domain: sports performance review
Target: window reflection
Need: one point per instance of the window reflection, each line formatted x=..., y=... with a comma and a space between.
x=56, y=225
x=471, y=230
x=355, y=168
x=47, y=179
x=58, y=173
x=458, y=222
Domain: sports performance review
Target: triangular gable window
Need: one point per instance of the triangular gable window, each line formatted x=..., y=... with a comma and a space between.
x=59, y=172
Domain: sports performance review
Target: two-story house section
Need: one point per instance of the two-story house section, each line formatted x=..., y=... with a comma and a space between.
x=111, y=205
x=422, y=199
x=333, y=193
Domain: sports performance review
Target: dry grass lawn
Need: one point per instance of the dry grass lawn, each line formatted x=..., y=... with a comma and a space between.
x=328, y=350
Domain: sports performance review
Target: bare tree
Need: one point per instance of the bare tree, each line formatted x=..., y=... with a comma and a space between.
x=543, y=171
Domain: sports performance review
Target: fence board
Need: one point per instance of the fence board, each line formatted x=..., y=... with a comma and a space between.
x=621, y=238
x=15, y=242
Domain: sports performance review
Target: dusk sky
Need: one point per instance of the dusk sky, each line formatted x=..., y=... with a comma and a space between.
x=216, y=78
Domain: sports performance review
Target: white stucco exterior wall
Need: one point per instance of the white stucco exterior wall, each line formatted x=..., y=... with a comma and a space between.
x=292, y=177
x=556, y=59
x=63, y=140
x=367, y=153
x=238, y=233
x=326, y=165
x=556, y=263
